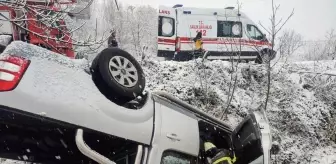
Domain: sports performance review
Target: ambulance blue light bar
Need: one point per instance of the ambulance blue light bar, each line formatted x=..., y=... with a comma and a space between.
x=230, y=8
x=186, y=12
x=177, y=5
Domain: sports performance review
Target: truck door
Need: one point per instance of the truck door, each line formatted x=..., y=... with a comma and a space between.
x=176, y=136
x=251, y=140
x=166, y=31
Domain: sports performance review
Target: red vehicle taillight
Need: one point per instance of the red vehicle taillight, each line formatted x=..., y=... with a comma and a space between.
x=12, y=69
x=178, y=44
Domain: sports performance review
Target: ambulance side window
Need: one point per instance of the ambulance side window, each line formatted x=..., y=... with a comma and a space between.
x=253, y=32
x=229, y=29
x=166, y=26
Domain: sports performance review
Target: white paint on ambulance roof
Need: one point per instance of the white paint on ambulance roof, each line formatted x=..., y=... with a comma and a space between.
x=212, y=11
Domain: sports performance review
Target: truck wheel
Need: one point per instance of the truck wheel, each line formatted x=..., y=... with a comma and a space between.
x=121, y=73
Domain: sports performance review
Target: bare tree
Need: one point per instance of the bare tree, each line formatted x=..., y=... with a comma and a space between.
x=289, y=42
x=322, y=49
x=234, y=48
x=44, y=20
x=233, y=85
x=276, y=27
x=330, y=48
x=134, y=25
x=143, y=27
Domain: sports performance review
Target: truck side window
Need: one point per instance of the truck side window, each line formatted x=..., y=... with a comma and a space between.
x=229, y=29
x=173, y=157
x=166, y=26
x=253, y=32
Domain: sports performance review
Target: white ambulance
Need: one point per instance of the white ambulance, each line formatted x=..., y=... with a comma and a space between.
x=226, y=34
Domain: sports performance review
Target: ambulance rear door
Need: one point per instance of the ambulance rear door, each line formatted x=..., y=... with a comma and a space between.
x=167, y=29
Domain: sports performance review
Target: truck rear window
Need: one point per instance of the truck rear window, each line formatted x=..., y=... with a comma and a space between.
x=166, y=26
x=229, y=29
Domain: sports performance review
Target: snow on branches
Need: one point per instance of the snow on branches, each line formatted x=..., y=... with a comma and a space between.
x=47, y=21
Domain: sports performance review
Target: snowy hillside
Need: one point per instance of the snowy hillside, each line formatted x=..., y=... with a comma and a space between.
x=300, y=109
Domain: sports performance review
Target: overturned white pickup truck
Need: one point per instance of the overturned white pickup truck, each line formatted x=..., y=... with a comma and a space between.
x=52, y=111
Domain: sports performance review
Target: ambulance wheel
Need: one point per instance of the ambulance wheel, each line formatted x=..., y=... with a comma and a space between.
x=121, y=75
x=264, y=56
x=168, y=58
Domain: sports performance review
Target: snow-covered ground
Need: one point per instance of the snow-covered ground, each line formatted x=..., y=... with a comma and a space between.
x=300, y=108
x=4, y=39
x=298, y=116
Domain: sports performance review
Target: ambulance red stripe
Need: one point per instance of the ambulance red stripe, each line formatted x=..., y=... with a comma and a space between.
x=214, y=41
x=165, y=40
x=172, y=44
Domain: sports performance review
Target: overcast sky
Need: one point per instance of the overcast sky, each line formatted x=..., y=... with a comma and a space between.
x=312, y=18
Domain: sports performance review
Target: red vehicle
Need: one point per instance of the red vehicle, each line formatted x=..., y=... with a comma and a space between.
x=37, y=29
x=6, y=27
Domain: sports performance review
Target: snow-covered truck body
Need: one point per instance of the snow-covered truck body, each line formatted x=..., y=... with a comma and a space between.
x=35, y=29
x=224, y=33
x=52, y=111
